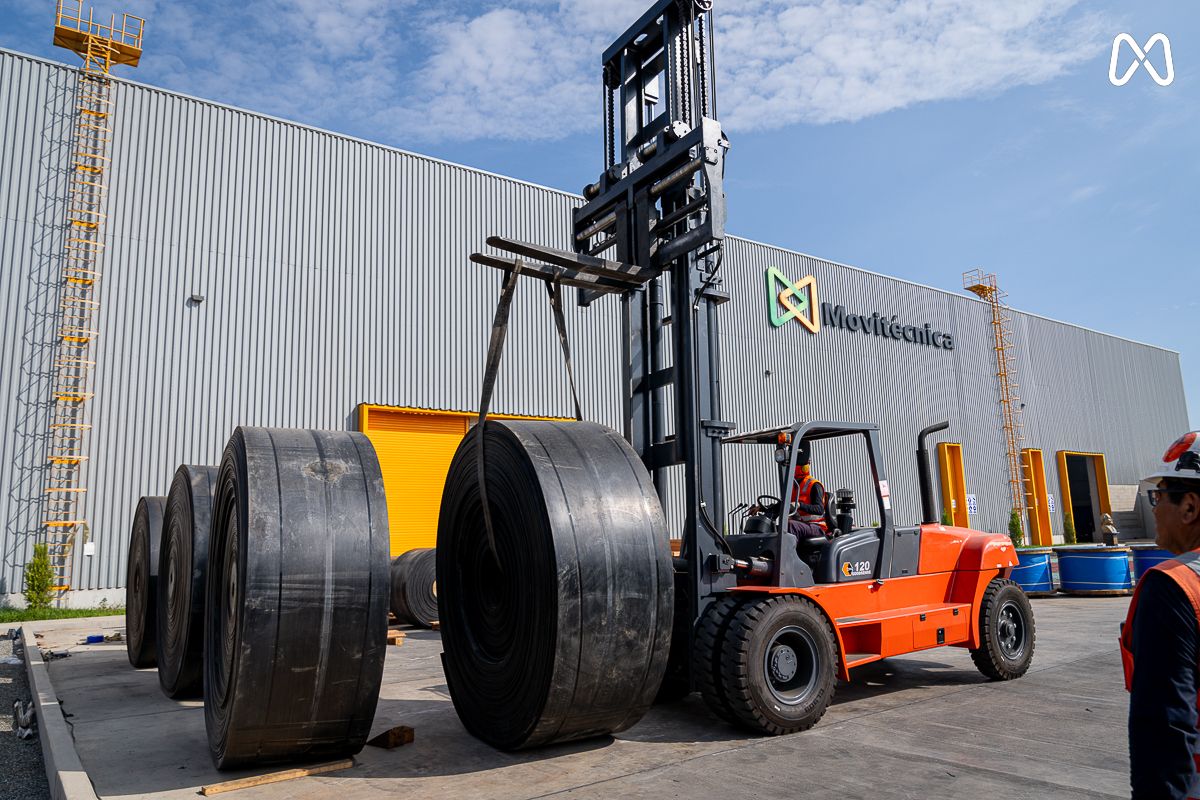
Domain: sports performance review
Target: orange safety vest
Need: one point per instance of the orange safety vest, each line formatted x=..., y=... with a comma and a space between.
x=1185, y=571
x=801, y=494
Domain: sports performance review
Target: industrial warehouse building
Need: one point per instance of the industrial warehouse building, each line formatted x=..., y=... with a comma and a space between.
x=262, y=272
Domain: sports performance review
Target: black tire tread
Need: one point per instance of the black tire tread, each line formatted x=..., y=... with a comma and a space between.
x=706, y=655
x=736, y=666
x=987, y=660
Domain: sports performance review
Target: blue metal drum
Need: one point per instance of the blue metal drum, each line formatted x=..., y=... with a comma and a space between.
x=1146, y=556
x=1093, y=569
x=1033, y=572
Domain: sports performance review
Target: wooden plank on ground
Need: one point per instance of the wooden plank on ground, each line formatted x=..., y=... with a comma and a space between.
x=275, y=777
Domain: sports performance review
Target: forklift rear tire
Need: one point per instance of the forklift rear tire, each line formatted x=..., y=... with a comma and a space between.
x=1006, y=632
x=706, y=655
x=779, y=665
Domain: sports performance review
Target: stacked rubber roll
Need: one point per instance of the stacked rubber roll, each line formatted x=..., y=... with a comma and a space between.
x=182, y=576
x=296, y=619
x=141, y=581
x=562, y=632
x=414, y=587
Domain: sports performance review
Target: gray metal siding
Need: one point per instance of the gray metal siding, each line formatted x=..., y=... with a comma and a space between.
x=335, y=272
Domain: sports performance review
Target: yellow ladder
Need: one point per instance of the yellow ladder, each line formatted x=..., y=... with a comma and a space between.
x=101, y=47
x=986, y=287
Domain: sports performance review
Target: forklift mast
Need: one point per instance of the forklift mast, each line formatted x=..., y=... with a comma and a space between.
x=660, y=205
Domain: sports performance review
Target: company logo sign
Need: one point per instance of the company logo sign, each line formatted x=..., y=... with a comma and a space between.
x=1141, y=57
x=789, y=301
x=888, y=327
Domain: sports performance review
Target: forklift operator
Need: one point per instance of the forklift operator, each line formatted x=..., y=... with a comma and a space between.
x=808, y=503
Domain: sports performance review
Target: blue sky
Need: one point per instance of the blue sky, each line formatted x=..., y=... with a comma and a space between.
x=914, y=138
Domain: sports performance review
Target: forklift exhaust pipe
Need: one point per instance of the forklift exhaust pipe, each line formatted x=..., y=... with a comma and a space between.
x=928, y=514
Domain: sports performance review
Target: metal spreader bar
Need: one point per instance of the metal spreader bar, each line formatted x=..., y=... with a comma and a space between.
x=577, y=280
x=563, y=267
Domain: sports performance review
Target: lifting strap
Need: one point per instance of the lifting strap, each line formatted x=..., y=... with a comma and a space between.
x=492, y=367
x=555, y=290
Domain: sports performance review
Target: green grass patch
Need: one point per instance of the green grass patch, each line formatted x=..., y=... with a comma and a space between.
x=11, y=615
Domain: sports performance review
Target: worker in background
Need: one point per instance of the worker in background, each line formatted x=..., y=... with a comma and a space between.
x=1160, y=642
x=808, y=501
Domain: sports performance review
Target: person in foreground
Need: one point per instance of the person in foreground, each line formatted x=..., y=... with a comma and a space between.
x=1160, y=642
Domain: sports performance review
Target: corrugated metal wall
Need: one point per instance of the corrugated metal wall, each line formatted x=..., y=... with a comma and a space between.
x=335, y=271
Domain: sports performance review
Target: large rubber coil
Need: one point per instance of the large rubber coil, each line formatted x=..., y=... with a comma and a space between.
x=562, y=632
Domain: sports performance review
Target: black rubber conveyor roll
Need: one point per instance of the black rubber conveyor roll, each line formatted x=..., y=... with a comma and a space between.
x=414, y=587
x=183, y=573
x=567, y=636
x=296, y=618
x=141, y=581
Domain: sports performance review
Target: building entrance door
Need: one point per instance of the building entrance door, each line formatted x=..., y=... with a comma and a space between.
x=1083, y=478
x=1037, y=500
x=954, y=484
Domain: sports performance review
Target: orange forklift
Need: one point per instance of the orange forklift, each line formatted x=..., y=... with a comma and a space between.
x=804, y=612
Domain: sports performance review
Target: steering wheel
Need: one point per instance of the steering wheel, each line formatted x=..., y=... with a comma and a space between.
x=765, y=500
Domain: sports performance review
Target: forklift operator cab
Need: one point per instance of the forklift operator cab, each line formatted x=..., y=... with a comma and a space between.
x=843, y=552
x=811, y=513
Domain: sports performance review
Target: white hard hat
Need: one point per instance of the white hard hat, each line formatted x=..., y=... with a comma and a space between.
x=1184, y=458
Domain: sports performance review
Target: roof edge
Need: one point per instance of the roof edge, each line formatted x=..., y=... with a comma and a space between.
x=296, y=124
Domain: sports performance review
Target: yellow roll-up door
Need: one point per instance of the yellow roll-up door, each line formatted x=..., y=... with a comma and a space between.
x=414, y=449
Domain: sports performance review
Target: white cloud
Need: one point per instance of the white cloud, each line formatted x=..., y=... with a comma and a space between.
x=409, y=71
x=531, y=70
x=524, y=71
x=783, y=63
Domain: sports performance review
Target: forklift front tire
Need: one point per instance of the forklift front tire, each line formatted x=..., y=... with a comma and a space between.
x=707, y=654
x=1006, y=632
x=779, y=665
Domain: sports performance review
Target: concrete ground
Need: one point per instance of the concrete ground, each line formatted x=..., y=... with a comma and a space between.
x=921, y=726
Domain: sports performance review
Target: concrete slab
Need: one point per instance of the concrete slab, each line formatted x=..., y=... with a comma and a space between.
x=926, y=725
x=65, y=774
